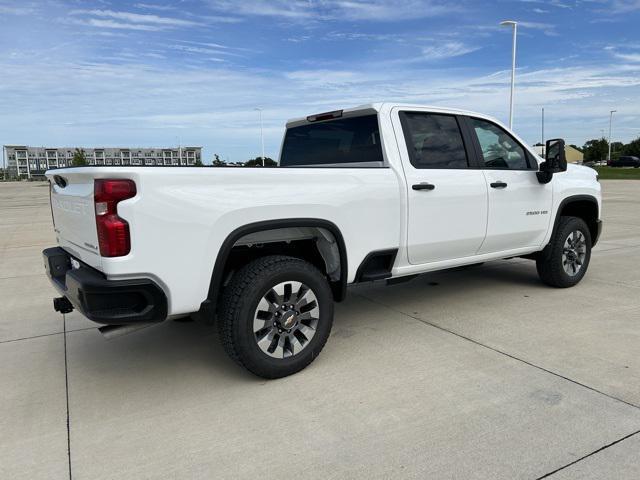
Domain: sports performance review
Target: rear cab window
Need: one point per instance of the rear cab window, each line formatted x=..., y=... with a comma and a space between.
x=346, y=142
x=434, y=140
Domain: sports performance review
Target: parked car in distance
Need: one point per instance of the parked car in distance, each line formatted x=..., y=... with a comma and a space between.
x=624, y=161
x=377, y=192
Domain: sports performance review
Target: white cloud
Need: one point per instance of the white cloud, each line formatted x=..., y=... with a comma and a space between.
x=129, y=20
x=95, y=22
x=151, y=6
x=625, y=6
x=327, y=79
x=630, y=57
x=13, y=10
x=218, y=46
x=381, y=10
x=621, y=52
x=546, y=28
x=101, y=103
x=202, y=51
x=276, y=8
x=444, y=50
x=378, y=37
x=358, y=10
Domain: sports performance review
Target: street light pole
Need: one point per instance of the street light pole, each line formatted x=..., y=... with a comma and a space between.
x=261, y=134
x=542, y=132
x=513, y=67
x=610, y=121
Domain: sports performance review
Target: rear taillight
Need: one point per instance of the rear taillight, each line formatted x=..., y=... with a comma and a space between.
x=113, y=232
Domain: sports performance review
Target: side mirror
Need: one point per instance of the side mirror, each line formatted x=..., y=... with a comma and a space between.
x=555, y=155
x=555, y=160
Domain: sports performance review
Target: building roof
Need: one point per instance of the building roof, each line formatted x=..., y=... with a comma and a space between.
x=573, y=154
x=101, y=148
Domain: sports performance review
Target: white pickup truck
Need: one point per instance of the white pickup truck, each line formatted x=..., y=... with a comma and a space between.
x=376, y=192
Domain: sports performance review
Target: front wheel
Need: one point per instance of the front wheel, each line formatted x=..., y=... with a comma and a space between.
x=570, y=252
x=276, y=315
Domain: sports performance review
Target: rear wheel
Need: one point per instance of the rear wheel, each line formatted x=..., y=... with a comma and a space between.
x=276, y=315
x=570, y=252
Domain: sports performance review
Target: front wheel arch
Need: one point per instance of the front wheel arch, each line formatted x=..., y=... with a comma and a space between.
x=581, y=206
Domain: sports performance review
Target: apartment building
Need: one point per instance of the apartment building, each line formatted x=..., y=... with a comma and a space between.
x=28, y=162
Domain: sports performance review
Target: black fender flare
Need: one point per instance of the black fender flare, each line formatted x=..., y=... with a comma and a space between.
x=566, y=201
x=339, y=288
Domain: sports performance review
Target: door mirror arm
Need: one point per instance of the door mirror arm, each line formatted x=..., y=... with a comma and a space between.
x=555, y=160
x=544, y=174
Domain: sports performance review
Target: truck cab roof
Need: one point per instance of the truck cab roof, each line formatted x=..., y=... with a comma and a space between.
x=381, y=107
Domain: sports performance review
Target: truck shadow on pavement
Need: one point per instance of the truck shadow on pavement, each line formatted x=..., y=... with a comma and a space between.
x=176, y=351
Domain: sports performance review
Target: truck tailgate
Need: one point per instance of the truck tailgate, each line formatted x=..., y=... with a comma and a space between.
x=74, y=215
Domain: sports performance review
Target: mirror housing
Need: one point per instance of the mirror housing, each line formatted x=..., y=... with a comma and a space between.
x=555, y=160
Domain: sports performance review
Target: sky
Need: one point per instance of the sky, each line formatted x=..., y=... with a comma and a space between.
x=192, y=72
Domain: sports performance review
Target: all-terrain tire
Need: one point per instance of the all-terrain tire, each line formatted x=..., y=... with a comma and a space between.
x=239, y=306
x=551, y=264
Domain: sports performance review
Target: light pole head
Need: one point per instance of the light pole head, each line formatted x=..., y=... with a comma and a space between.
x=508, y=22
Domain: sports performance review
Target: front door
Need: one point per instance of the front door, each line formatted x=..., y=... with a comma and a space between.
x=519, y=205
x=447, y=200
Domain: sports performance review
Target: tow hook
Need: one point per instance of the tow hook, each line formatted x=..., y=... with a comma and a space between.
x=62, y=305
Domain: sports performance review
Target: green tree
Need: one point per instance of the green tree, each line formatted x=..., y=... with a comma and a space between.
x=198, y=163
x=257, y=162
x=217, y=162
x=79, y=158
x=616, y=149
x=595, y=150
x=632, y=148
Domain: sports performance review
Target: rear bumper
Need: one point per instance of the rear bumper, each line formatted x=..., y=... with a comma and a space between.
x=110, y=302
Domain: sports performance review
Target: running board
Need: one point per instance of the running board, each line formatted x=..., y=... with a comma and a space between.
x=397, y=280
x=113, y=331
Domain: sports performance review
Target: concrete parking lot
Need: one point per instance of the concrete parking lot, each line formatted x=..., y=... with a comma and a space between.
x=482, y=373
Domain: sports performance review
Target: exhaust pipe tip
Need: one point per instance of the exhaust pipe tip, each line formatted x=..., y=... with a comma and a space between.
x=62, y=305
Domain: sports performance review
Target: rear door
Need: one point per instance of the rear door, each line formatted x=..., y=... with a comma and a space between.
x=519, y=205
x=447, y=197
x=74, y=216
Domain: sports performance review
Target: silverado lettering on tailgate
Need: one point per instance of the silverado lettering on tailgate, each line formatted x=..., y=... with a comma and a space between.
x=71, y=206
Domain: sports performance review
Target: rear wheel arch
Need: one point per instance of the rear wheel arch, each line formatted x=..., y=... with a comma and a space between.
x=220, y=269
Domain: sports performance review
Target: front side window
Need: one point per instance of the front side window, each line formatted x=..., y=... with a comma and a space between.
x=434, y=140
x=499, y=149
x=342, y=141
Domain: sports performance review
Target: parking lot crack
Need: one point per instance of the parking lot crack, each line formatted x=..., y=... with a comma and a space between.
x=46, y=335
x=496, y=350
x=547, y=475
x=66, y=381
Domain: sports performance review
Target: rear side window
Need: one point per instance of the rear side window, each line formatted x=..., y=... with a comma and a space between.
x=434, y=140
x=343, y=141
